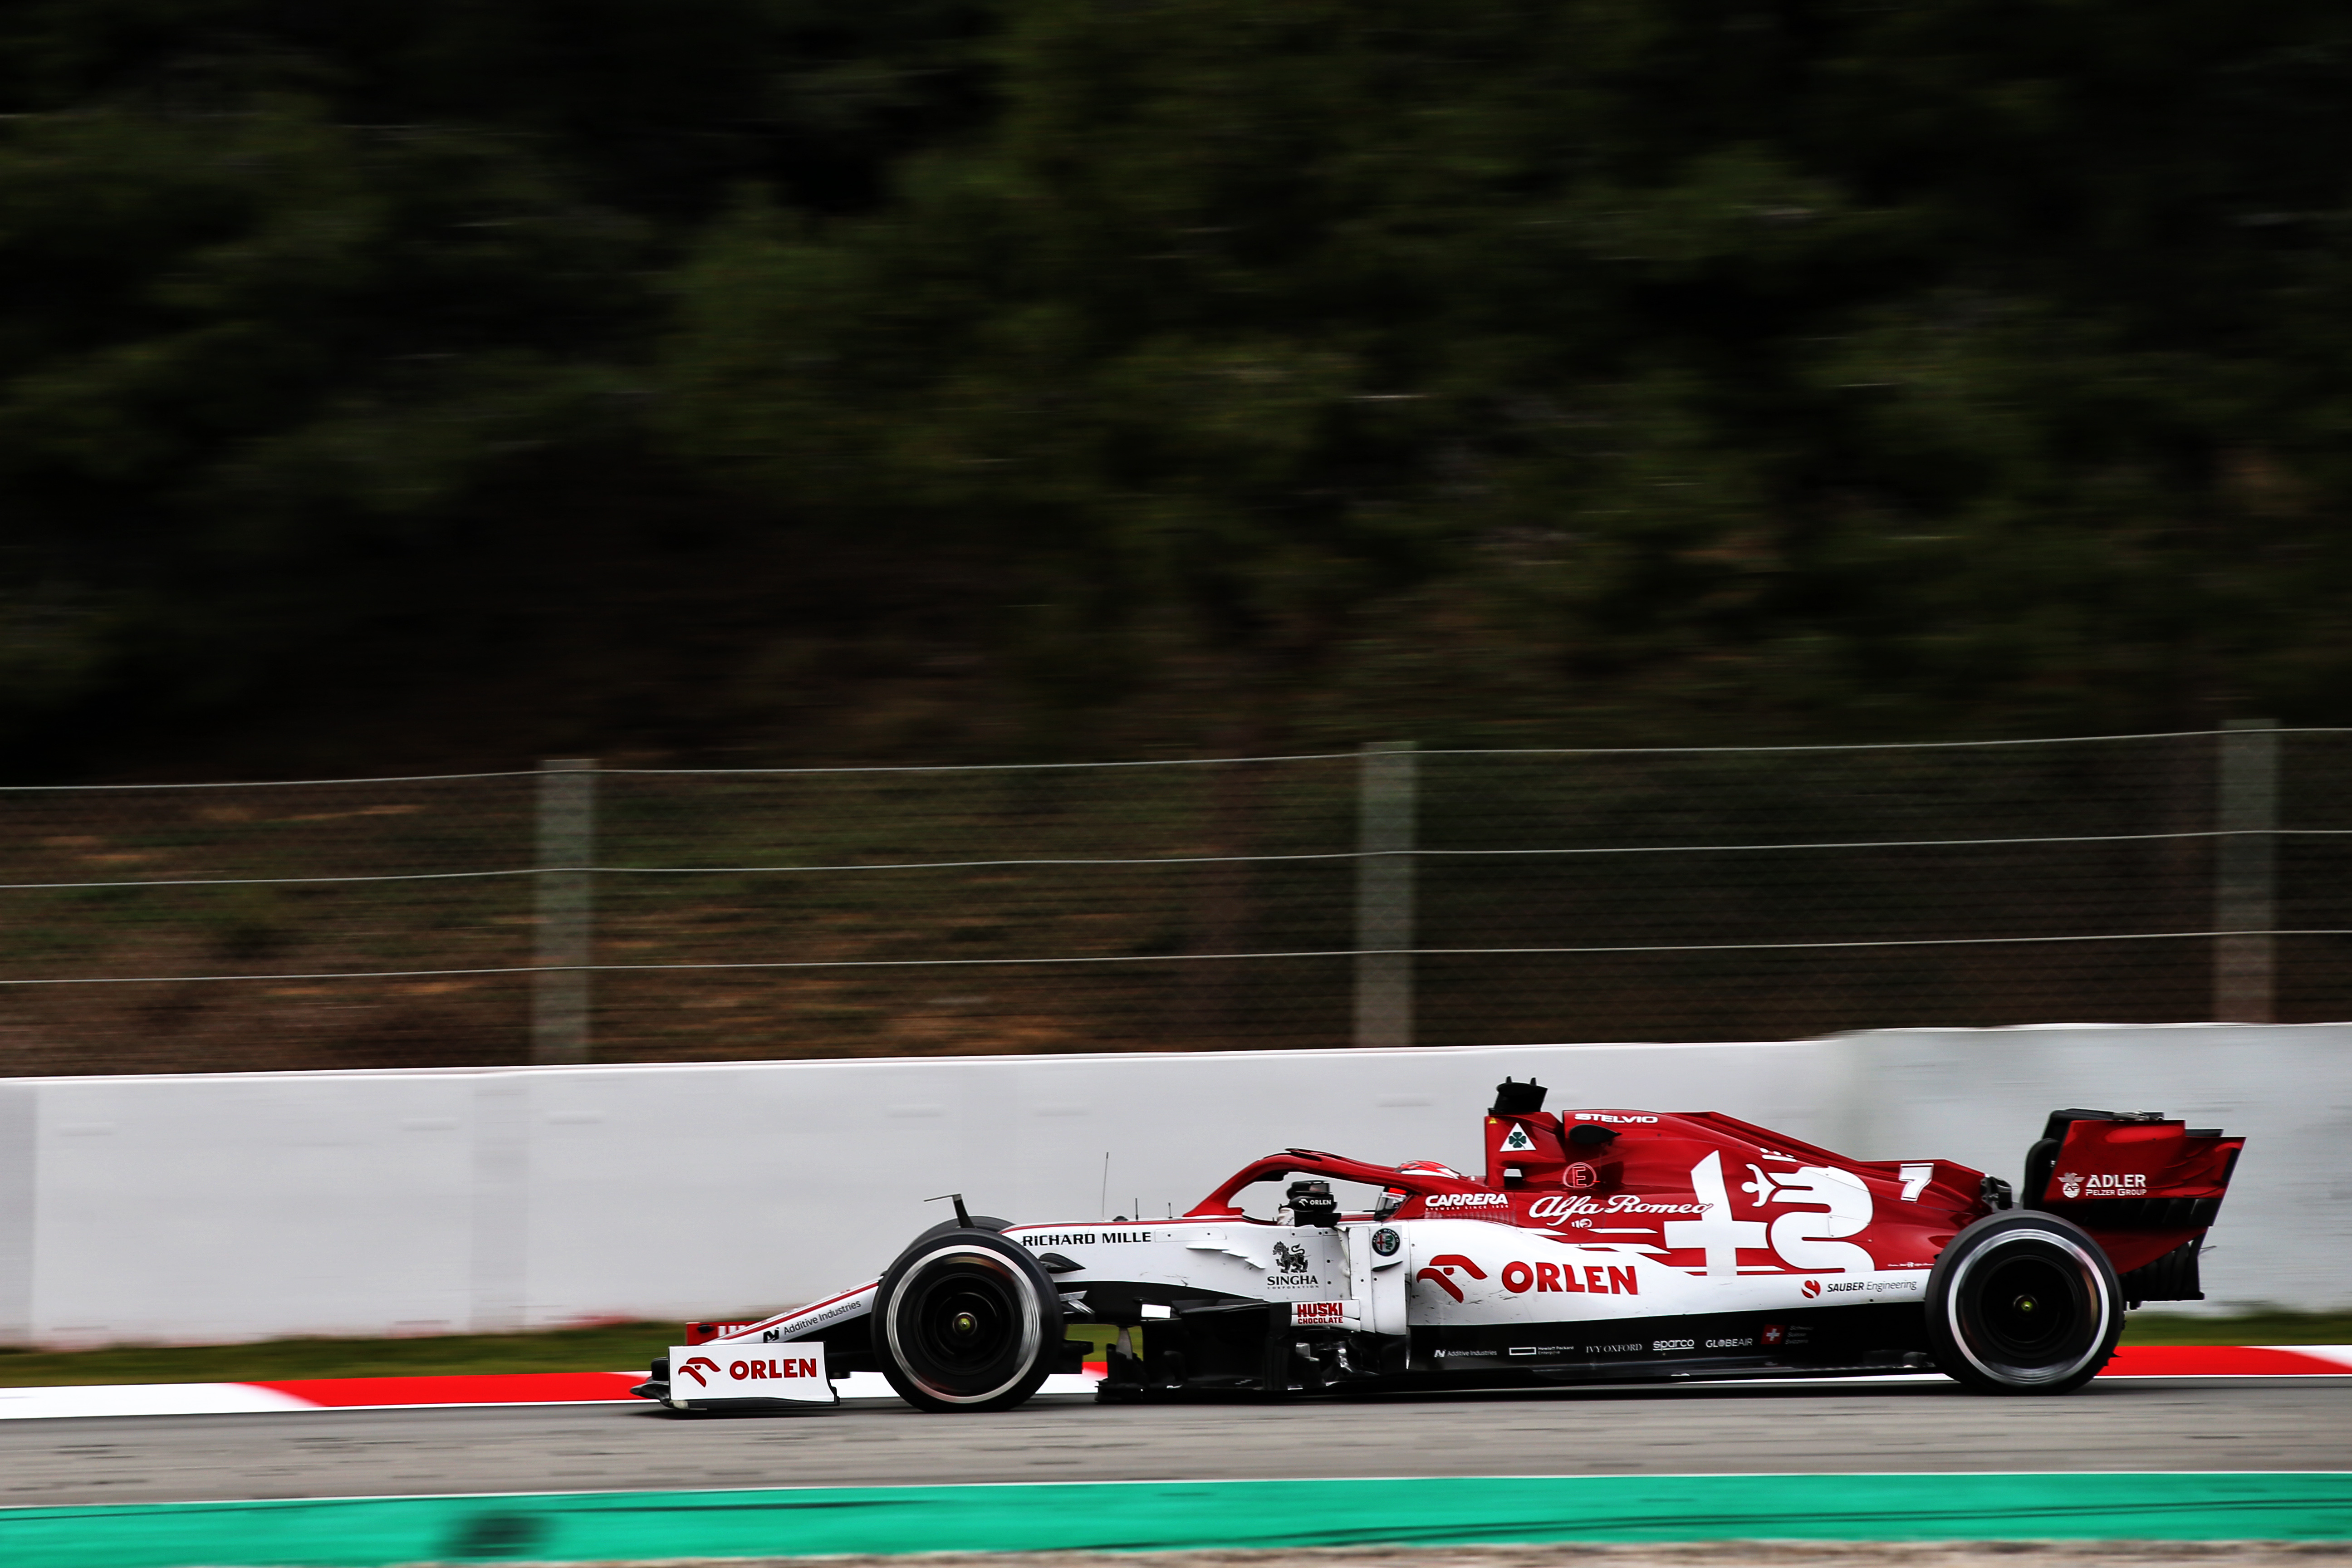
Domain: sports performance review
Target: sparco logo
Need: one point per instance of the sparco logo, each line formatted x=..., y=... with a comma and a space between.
x=1467, y=1201
x=1558, y=1208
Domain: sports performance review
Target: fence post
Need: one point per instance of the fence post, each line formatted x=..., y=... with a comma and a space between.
x=19, y=1176
x=2245, y=870
x=1384, y=895
x=567, y=839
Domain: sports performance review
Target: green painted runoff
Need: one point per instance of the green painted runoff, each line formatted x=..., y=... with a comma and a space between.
x=1145, y=1516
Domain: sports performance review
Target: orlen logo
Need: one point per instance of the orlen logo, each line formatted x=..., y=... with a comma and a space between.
x=774, y=1366
x=693, y=1363
x=1811, y=1288
x=1441, y=1272
x=1466, y=1201
x=1592, y=1279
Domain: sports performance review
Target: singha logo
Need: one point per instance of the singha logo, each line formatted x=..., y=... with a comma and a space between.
x=2070, y=1185
x=1290, y=1260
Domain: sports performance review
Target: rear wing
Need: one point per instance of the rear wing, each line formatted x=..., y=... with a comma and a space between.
x=2144, y=1185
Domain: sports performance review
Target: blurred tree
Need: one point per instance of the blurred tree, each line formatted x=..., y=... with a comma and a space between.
x=1703, y=366
x=652, y=108
x=288, y=288
x=247, y=342
x=1952, y=364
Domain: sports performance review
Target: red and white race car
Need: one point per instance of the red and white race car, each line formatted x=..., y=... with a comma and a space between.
x=1598, y=1245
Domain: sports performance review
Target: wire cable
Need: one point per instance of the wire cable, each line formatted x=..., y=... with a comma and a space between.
x=1169, y=957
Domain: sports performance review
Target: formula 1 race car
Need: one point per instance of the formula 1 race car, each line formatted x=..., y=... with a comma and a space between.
x=1599, y=1246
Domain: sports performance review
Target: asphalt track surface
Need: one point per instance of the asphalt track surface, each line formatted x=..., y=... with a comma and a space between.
x=2124, y=1424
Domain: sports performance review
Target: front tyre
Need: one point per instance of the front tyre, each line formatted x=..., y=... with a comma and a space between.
x=966, y=1321
x=2023, y=1302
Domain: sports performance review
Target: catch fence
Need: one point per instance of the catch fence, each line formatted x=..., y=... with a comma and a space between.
x=1382, y=896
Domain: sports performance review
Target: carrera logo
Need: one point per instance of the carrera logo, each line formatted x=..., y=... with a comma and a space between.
x=1466, y=1201
x=1556, y=1206
x=1590, y=1278
x=2131, y=1184
x=691, y=1367
x=1316, y=1311
x=1440, y=1272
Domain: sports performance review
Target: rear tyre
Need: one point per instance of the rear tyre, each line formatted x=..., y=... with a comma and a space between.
x=2023, y=1302
x=966, y=1321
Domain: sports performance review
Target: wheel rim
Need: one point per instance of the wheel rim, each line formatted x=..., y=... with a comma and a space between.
x=2029, y=1307
x=964, y=1325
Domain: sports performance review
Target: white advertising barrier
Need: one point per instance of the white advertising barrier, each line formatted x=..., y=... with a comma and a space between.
x=250, y=1206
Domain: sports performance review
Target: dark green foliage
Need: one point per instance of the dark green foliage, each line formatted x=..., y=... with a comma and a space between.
x=1691, y=368
x=1868, y=362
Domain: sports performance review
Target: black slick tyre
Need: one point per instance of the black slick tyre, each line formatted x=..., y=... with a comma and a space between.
x=2023, y=1302
x=966, y=1321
